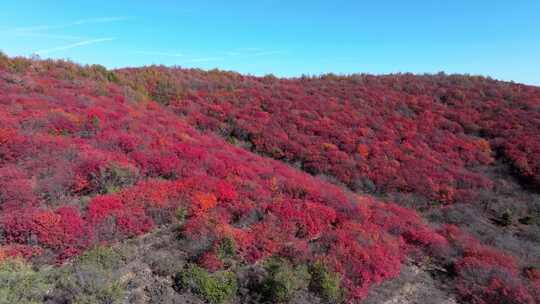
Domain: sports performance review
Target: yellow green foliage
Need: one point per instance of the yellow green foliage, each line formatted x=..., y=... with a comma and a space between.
x=215, y=288
x=21, y=284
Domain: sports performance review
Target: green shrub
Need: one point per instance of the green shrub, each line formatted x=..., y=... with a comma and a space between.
x=506, y=218
x=281, y=281
x=19, y=283
x=20, y=64
x=103, y=257
x=227, y=248
x=112, y=77
x=527, y=220
x=91, y=279
x=215, y=288
x=165, y=91
x=4, y=60
x=99, y=72
x=180, y=214
x=325, y=283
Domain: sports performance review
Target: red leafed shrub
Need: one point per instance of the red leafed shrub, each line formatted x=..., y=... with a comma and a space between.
x=225, y=191
x=62, y=123
x=485, y=275
x=57, y=230
x=405, y=223
x=111, y=214
x=16, y=189
x=524, y=153
x=102, y=207
x=363, y=150
x=363, y=258
x=210, y=261
x=6, y=135
x=60, y=229
x=481, y=284
x=134, y=222
x=533, y=274
x=10, y=141
x=152, y=193
x=304, y=220
x=19, y=251
x=203, y=202
x=17, y=226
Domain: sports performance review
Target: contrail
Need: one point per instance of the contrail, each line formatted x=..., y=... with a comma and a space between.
x=73, y=45
x=67, y=25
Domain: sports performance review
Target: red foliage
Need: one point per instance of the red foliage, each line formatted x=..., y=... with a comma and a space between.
x=388, y=130
x=131, y=165
x=486, y=275
x=60, y=229
x=211, y=261
x=19, y=251
x=302, y=219
x=202, y=202
x=225, y=191
x=102, y=207
x=16, y=189
x=110, y=210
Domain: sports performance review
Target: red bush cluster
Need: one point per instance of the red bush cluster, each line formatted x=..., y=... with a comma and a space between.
x=405, y=133
x=485, y=275
x=429, y=136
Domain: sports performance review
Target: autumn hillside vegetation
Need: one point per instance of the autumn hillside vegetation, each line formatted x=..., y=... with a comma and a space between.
x=271, y=189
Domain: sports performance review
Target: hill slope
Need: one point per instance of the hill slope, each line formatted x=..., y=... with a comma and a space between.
x=87, y=158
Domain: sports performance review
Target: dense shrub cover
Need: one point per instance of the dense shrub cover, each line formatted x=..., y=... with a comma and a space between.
x=426, y=141
x=402, y=133
x=87, y=159
x=83, y=165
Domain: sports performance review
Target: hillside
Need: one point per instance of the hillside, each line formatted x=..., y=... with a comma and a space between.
x=122, y=186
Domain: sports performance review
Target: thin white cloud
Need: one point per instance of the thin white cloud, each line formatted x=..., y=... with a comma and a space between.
x=43, y=31
x=68, y=25
x=48, y=36
x=73, y=45
x=165, y=54
x=241, y=52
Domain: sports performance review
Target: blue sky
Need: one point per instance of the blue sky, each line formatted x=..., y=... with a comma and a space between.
x=287, y=38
